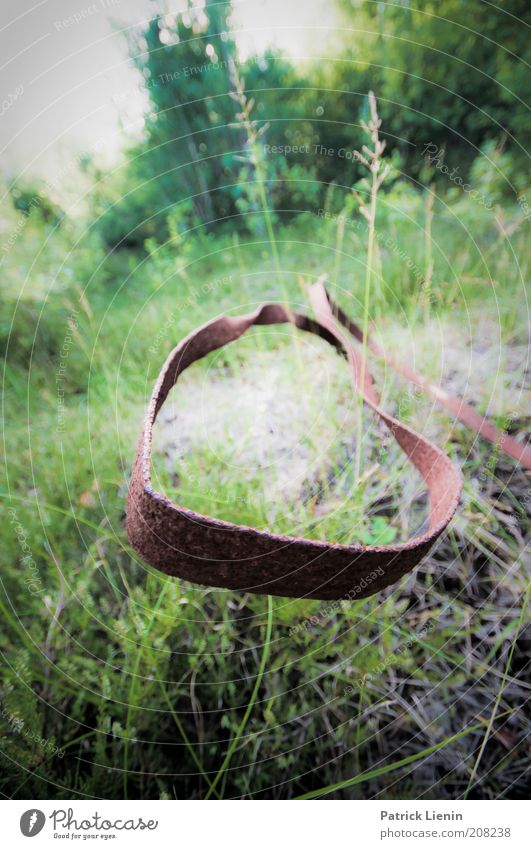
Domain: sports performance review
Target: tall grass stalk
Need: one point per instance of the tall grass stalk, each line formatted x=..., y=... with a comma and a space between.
x=340, y=235
x=253, y=133
x=523, y=612
x=252, y=700
x=428, y=251
x=371, y=158
x=384, y=770
x=132, y=706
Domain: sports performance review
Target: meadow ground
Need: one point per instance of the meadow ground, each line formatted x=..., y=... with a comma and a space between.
x=122, y=682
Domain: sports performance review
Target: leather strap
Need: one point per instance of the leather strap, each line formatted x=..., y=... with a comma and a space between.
x=212, y=552
x=462, y=411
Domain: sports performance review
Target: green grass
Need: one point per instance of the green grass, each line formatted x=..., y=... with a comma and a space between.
x=156, y=688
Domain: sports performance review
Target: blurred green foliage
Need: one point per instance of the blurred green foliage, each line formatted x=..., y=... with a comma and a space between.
x=446, y=72
x=446, y=75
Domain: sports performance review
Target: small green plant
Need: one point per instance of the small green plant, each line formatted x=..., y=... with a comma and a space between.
x=379, y=533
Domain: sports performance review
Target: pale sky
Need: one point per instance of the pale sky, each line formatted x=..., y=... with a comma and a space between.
x=67, y=82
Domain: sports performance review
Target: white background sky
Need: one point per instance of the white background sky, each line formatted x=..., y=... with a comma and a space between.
x=79, y=88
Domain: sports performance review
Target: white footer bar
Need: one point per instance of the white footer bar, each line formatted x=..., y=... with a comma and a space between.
x=265, y=824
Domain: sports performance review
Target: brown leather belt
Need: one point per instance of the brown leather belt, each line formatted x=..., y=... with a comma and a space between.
x=209, y=551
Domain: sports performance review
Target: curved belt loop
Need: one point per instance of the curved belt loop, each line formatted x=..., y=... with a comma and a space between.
x=212, y=552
